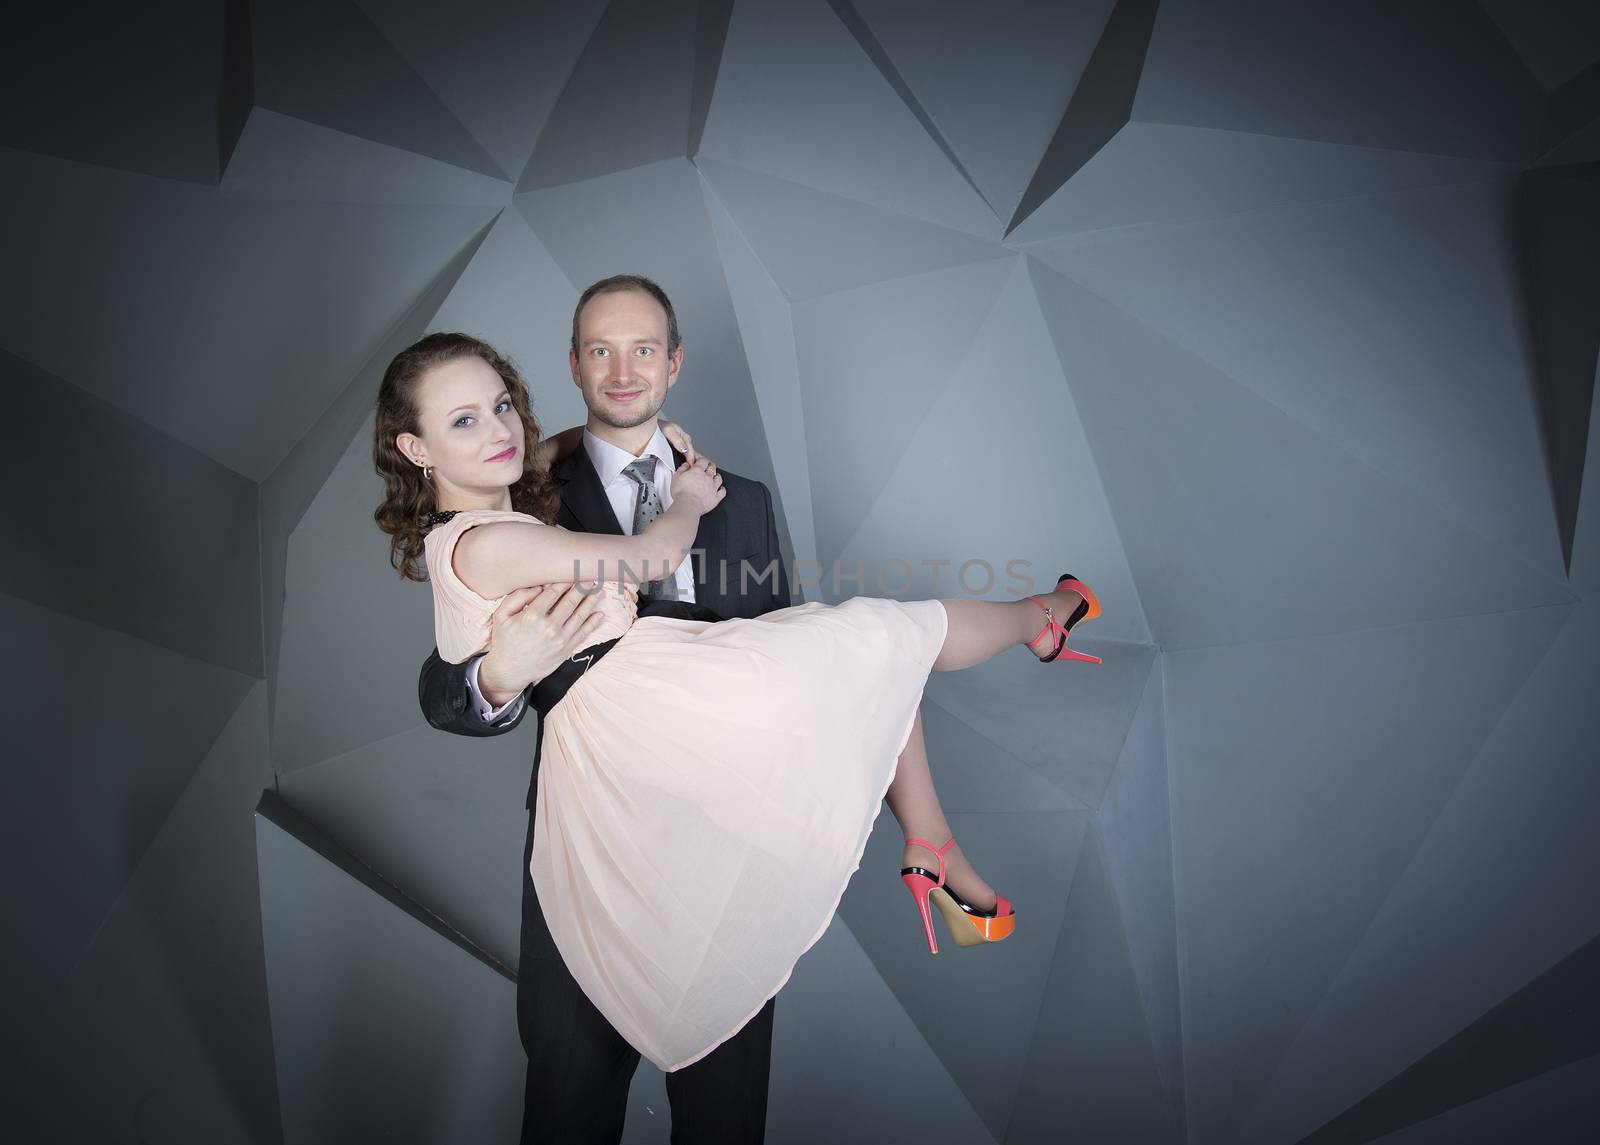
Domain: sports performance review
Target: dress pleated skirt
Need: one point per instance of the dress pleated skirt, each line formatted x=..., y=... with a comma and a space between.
x=705, y=793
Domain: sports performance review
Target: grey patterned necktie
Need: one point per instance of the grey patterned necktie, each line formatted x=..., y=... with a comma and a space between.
x=648, y=509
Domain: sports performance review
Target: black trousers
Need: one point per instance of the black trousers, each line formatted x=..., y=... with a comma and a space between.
x=579, y=1067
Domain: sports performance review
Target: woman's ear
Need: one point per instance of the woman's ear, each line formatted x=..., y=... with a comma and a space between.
x=411, y=446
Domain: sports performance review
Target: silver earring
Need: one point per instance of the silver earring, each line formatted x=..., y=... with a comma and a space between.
x=427, y=474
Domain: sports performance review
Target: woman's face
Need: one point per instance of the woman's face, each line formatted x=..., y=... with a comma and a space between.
x=469, y=432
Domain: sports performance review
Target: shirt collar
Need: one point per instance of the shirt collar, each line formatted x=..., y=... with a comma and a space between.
x=609, y=461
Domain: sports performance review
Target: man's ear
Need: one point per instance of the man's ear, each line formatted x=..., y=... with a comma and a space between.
x=572, y=364
x=677, y=364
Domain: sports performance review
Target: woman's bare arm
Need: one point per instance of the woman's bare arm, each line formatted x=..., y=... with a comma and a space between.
x=495, y=558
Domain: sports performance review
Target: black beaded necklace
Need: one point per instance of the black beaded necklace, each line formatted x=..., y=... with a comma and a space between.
x=432, y=519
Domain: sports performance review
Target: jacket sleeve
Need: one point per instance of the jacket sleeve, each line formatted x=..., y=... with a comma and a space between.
x=780, y=583
x=442, y=692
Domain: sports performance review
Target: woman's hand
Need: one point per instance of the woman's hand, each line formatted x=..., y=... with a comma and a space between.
x=698, y=483
x=678, y=438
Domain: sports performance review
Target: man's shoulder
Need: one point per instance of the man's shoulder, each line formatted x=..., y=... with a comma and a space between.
x=732, y=481
x=742, y=491
x=745, y=494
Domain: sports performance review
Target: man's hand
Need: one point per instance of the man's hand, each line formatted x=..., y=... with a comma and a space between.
x=534, y=630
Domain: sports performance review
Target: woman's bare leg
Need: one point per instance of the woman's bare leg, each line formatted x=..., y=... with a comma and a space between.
x=915, y=805
x=980, y=629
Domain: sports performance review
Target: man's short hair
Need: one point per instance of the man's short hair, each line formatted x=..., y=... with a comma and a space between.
x=618, y=283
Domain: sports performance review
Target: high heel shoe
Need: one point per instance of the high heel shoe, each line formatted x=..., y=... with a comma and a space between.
x=967, y=924
x=1088, y=608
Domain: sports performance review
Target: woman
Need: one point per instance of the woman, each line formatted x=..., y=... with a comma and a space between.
x=706, y=790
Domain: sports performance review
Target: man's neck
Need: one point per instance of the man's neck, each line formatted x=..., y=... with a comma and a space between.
x=632, y=440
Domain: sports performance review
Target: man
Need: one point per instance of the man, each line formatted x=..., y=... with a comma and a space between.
x=625, y=355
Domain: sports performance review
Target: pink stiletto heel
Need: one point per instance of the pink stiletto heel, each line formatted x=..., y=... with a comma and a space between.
x=968, y=925
x=1088, y=608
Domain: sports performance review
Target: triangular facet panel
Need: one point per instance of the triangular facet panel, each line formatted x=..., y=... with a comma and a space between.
x=1559, y=213
x=818, y=1093
x=1099, y=106
x=261, y=312
x=1433, y=76
x=443, y=817
x=279, y=157
x=816, y=243
x=1308, y=774
x=975, y=774
x=173, y=988
x=498, y=65
x=1068, y=722
x=1556, y=41
x=1239, y=522
x=514, y=296
x=384, y=1025
x=1135, y=826
x=1499, y=891
x=1586, y=535
x=1092, y=1069
x=170, y=556
x=306, y=53
x=1165, y=173
x=635, y=76
x=1037, y=509
x=857, y=138
x=354, y=632
x=766, y=329
x=1540, y=1029
x=872, y=362
x=1558, y=1108
x=127, y=86
x=1030, y=858
x=299, y=479
x=1426, y=380
x=973, y=68
x=120, y=770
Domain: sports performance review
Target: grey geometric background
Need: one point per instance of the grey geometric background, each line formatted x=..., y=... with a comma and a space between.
x=1278, y=324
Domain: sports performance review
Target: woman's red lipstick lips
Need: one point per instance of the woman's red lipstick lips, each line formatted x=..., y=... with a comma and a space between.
x=505, y=456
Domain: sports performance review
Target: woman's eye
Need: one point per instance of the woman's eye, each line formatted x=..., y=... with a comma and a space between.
x=462, y=420
x=505, y=404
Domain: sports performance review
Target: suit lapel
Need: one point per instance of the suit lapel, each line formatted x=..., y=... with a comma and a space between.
x=710, y=548
x=584, y=504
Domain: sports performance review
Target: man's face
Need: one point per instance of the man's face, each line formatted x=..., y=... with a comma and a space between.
x=622, y=365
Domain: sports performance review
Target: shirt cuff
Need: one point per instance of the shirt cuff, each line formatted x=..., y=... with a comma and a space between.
x=487, y=712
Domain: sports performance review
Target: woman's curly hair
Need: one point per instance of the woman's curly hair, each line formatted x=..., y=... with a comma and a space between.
x=408, y=498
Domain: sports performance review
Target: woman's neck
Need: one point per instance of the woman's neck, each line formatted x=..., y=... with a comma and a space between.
x=465, y=500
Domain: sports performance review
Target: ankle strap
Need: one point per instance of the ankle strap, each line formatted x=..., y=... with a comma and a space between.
x=940, y=851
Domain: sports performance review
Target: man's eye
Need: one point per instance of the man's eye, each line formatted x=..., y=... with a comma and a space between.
x=599, y=352
x=644, y=351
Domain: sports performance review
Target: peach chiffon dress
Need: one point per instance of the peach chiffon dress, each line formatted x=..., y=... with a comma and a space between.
x=705, y=793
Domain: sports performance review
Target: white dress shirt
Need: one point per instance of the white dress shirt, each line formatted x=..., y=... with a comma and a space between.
x=609, y=462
